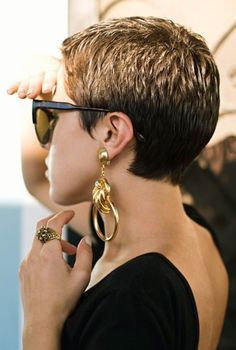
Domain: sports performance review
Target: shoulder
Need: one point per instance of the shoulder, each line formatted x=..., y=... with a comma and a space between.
x=153, y=279
x=151, y=285
x=144, y=303
x=200, y=220
x=147, y=272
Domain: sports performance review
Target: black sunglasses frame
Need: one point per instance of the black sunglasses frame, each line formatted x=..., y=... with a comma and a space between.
x=63, y=106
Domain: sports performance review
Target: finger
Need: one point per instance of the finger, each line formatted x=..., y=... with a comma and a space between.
x=44, y=221
x=13, y=88
x=35, y=86
x=50, y=80
x=68, y=248
x=81, y=271
x=37, y=245
x=23, y=88
x=56, y=223
x=60, y=219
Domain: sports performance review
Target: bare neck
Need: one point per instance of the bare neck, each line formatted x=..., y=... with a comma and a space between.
x=151, y=215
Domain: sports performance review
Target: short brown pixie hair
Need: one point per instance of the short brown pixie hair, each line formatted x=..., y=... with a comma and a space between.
x=158, y=73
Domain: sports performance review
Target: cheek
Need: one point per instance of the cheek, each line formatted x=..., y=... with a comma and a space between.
x=73, y=169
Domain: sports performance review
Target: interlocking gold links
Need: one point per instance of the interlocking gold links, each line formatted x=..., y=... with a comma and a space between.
x=101, y=199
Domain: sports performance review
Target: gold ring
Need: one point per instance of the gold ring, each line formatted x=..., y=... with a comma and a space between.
x=45, y=234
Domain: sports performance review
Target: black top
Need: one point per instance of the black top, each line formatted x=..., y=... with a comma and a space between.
x=145, y=304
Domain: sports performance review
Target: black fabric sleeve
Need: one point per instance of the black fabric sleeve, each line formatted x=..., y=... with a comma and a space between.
x=145, y=305
x=128, y=322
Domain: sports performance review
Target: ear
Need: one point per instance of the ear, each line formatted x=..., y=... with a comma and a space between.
x=115, y=132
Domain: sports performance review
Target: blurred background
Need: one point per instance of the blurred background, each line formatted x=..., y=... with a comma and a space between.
x=26, y=28
x=31, y=28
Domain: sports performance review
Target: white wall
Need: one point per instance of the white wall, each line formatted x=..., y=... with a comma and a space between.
x=26, y=27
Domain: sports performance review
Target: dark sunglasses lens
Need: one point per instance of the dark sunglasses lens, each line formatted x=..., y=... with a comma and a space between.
x=42, y=126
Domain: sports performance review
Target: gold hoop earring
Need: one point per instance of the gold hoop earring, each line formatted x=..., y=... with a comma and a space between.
x=101, y=199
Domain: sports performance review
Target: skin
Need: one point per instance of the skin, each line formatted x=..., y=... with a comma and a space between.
x=158, y=225
x=45, y=266
x=41, y=84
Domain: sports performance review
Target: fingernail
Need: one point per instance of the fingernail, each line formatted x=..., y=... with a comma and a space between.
x=21, y=90
x=29, y=92
x=9, y=91
x=46, y=87
x=88, y=241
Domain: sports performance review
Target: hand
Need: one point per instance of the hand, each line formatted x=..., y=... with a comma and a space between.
x=40, y=81
x=50, y=288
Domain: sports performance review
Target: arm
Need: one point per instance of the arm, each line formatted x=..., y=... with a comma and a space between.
x=41, y=338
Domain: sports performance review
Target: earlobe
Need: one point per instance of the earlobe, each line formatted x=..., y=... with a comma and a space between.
x=120, y=133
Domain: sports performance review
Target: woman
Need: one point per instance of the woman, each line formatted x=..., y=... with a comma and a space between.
x=149, y=95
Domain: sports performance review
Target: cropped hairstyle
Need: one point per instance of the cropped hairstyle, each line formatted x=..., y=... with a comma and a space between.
x=158, y=73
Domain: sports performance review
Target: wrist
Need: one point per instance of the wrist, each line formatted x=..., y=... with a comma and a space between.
x=45, y=325
x=41, y=336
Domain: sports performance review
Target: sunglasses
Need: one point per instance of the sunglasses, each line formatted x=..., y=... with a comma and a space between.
x=45, y=116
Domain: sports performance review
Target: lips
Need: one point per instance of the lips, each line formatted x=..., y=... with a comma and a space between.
x=46, y=171
x=46, y=162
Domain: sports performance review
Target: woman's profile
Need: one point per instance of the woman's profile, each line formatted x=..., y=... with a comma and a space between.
x=136, y=101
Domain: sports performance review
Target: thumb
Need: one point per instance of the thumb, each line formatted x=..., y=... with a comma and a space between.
x=83, y=264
